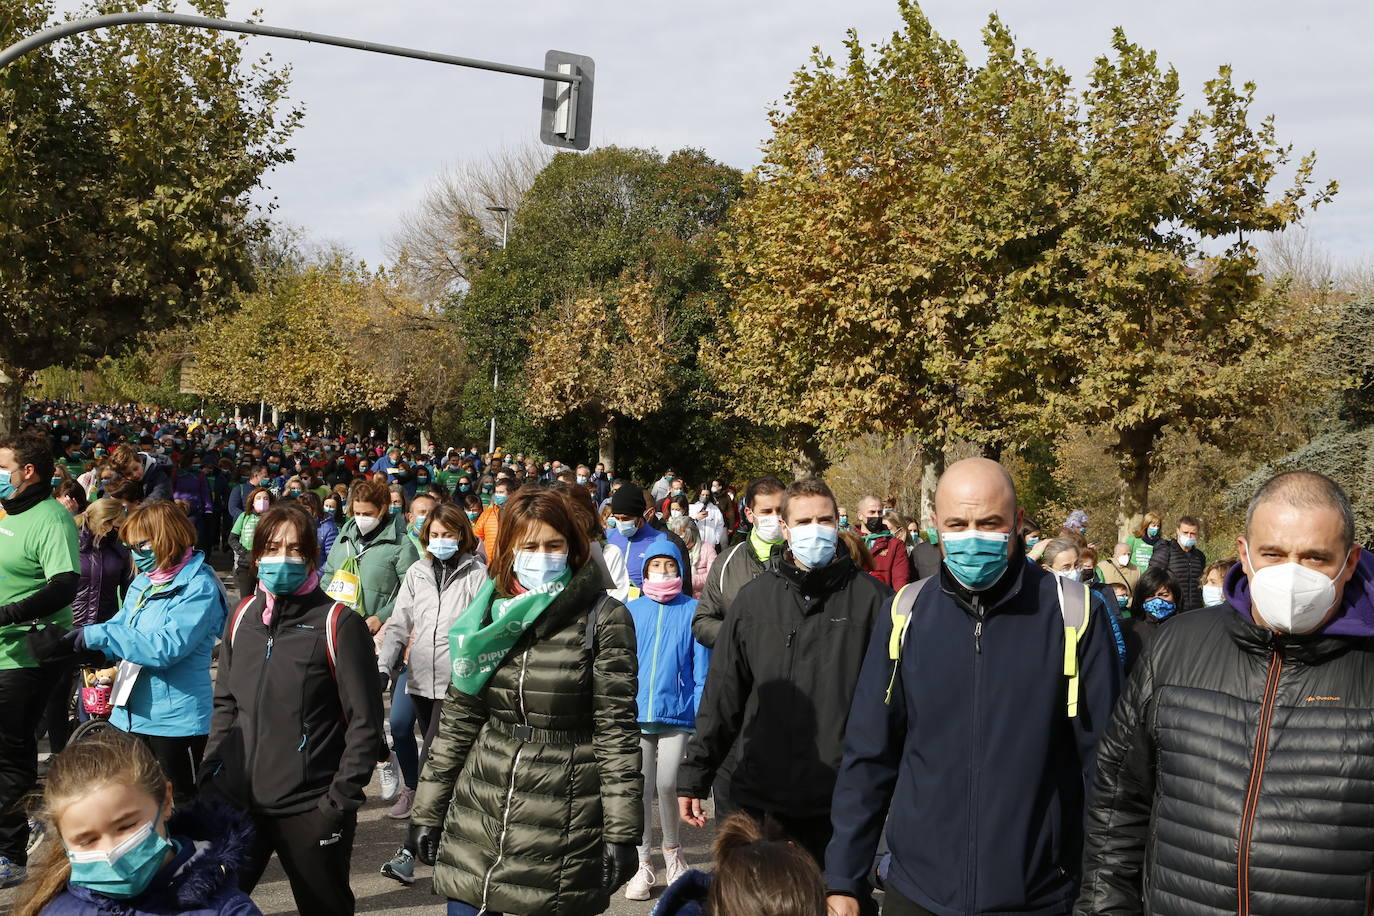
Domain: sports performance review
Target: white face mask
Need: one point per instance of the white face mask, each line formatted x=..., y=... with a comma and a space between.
x=366, y=523
x=769, y=527
x=1290, y=597
x=1124, y=560
x=1070, y=575
x=1212, y=594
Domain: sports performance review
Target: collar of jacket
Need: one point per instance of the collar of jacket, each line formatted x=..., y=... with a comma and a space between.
x=1309, y=649
x=289, y=607
x=33, y=494
x=1000, y=592
x=456, y=564
x=184, y=575
x=389, y=531
x=818, y=582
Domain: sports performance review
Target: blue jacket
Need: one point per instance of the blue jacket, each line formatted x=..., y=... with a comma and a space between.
x=975, y=763
x=213, y=843
x=327, y=531
x=170, y=632
x=687, y=896
x=672, y=664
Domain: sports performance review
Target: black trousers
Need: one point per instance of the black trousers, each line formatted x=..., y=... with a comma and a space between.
x=180, y=759
x=318, y=874
x=894, y=904
x=59, y=704
x=23, y=701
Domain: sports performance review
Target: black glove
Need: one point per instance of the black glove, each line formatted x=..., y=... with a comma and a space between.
x=618, y=862
x=424, y=842
x=384, y=679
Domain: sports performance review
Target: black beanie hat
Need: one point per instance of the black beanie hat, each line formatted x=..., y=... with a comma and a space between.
x=628, y=500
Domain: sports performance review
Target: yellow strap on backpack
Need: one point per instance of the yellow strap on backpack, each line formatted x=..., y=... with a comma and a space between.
x=1073, y=634
x=901, y=619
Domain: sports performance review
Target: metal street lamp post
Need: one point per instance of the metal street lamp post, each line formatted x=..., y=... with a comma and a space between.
x=496, y=370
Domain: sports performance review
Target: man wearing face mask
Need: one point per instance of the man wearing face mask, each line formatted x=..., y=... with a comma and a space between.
x=40, y=570
x=1238, y=753
x=968, y=732
x=891, y=562
x=782, y=675
x=741, y=564
x=1185, y=560
x=632, y=534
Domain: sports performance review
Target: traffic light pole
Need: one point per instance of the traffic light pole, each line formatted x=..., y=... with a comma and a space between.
x=566, y=69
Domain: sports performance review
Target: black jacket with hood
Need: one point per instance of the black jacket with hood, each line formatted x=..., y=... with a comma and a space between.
x=782, y=674
x=289, y=734
x=1237, y=775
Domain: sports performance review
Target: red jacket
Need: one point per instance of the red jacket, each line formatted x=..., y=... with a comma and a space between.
x=891, y=565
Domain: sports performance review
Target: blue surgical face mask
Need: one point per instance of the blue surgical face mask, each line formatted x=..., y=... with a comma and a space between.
x=1152, y=531
x=144, y=559
x=534, y=569
x=500, y=499
x=1123, y=601
x=7, y=484
x=125, y=871
x=443, y=548
x=627, y=527
x=394, y=510
x=1159, y=608
x=976, y=558
x=282, y=575
x=1187, y=541
x=581, y=478
x=813, y=546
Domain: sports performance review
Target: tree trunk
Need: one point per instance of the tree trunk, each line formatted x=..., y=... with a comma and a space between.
x=359, y=423
x=807, y=458
x=1133, y=449
x=12, y=383
x=605, y=443
x=932, y=467
x=394, y=431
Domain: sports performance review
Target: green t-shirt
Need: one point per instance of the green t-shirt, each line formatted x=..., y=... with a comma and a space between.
x=34, y=546
x=1140, y=552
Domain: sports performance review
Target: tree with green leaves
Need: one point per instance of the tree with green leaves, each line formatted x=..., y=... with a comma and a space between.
x=589, y=228
x=127, y=157
x=981, y=253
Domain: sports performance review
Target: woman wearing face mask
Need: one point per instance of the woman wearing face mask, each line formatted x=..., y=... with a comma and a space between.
x=538, y=747
x=172, y=612
x=259, y=500
x=1144, y=539
x=1156, y=600
x=710, y=522
x=298, y=718
x=372, y=543
x=1213, y=579
x=436, y=590
x=700, y=554
x=1060, y=556
x=121, y=849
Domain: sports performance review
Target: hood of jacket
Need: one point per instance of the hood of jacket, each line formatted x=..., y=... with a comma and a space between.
x=1356, y=614
x=215, y=842
x=687, y=896
x=664, y=548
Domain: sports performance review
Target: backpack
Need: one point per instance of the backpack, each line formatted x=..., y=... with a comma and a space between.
x=331, y=630
x=1075, y=606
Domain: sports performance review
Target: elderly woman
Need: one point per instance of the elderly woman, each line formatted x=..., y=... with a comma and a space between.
x=700, y=554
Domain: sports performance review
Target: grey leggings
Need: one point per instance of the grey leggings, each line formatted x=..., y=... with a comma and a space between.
x=661, y=755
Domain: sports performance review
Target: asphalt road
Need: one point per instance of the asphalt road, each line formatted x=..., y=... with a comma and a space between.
x=378, y=838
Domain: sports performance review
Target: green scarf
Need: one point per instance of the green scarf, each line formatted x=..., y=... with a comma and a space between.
x=477, y=650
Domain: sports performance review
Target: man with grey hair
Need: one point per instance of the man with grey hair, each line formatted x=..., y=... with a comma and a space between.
x=1241, y=754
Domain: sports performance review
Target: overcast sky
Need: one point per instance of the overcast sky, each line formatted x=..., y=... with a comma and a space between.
x=703, y=74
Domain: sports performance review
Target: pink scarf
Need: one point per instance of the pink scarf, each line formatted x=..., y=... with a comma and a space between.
x=269, y=607
x=163, y=576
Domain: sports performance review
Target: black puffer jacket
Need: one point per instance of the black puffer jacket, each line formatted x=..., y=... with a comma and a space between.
x=1186, y=567
x=1238, y=772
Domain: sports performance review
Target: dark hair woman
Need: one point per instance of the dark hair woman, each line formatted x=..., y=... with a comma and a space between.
x=298, y=717
x=1155, y=601
x=539, y=717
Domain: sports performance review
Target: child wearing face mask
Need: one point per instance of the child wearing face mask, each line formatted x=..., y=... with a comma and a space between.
x=1212, y=579
x=672, y=675
x=241, y=538
x=120, y=848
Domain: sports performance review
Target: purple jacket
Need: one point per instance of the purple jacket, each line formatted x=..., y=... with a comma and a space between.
x=105, y=572
x=1356, y=616
x=193, y=488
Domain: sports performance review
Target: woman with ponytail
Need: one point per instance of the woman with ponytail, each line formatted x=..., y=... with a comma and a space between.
x=757, y=873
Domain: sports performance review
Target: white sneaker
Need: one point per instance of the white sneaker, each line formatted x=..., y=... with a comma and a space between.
x=641, y=884
x=390, y=775
x=674, y=865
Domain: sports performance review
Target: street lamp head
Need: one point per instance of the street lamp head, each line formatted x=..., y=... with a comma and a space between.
x=499, y=209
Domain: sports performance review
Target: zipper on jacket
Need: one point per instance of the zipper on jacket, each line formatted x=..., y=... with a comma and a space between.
x=510, y=789
x=1247, y=817
x=974, y=767
x=653, y=670
x=257, y=700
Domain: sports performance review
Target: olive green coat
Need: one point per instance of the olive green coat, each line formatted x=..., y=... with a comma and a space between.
x=524, y=820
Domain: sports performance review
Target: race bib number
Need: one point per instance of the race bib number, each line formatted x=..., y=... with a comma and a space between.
x=343, y=588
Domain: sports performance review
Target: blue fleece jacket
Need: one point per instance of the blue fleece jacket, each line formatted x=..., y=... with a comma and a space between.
x=672, y=664
x=170, y=631
x=974, y=763
x=634, y=547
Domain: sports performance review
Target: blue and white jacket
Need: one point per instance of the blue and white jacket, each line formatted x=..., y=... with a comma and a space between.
x=672, y=664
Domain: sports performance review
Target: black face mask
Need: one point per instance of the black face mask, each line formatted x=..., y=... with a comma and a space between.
x=874, y=524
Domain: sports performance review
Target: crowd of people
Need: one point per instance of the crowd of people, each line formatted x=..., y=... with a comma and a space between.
x=525, y=660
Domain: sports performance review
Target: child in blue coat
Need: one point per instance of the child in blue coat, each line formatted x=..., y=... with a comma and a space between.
x=117, y=847
x=672, y=674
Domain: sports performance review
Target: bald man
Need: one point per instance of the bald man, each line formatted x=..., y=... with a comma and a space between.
x=969, y=742
x=1241, y=755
